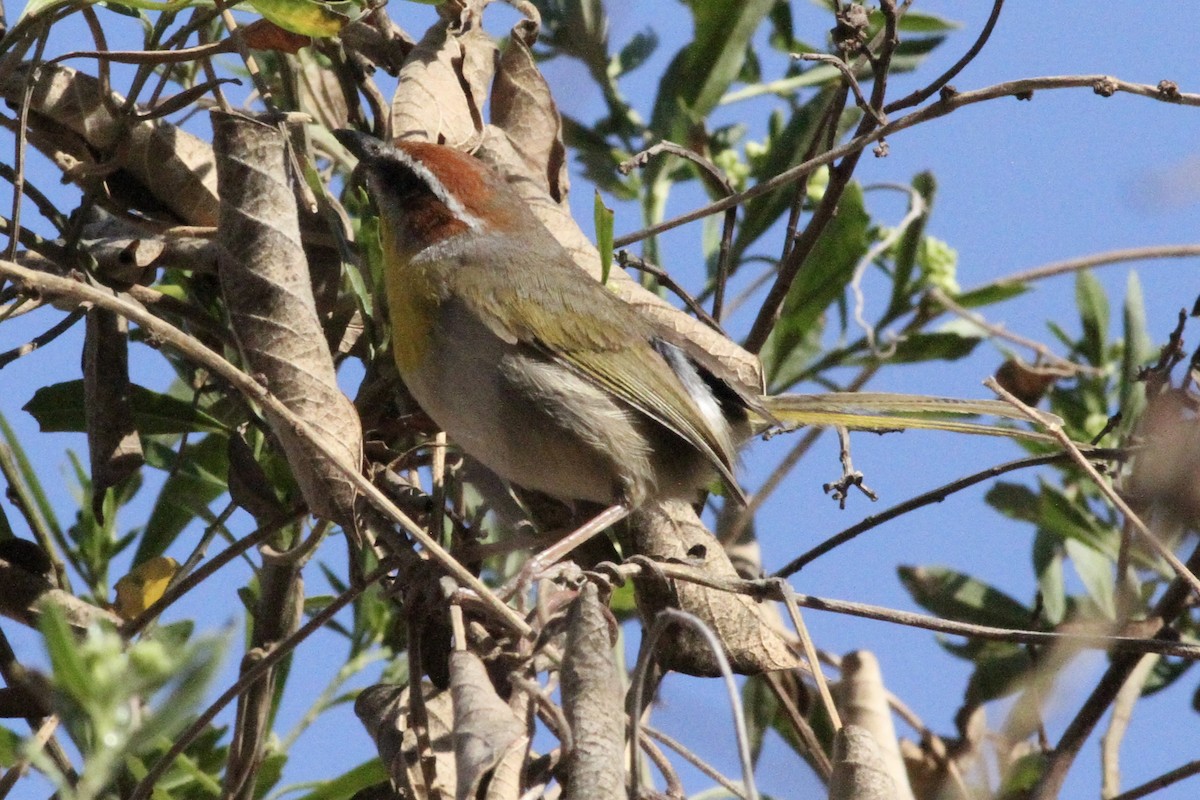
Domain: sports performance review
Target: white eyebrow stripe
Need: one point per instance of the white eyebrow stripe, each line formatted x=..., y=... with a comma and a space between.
x=439, y=190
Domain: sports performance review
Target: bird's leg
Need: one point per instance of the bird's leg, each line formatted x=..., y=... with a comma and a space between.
x=555, y=552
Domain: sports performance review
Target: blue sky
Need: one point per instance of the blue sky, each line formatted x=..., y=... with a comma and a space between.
x=1020, y=184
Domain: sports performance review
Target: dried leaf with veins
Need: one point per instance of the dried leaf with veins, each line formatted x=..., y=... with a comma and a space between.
x=592, y=700
x=166, y=163
x=672, y=532
x=268, y=292
x=383, y=711
x=429, y=102
x=523, y=107
x=485, y=728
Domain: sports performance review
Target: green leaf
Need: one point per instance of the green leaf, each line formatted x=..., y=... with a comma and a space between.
x=10, y=747
x=306, y=17
x=1066, y=518
x=635, y=52
x=828, y=269
x=702, y=70
x=1093, y=313
x=1013, y=500
x=602, y=215
x=937, y=346
x=920, y=22
x=957, y=596
x=1000, y=668
x=1022, y=776
x=60, y=408
x=70, y=672
x=991, y=293
x=197, y=480
x=760, y=707
x=31, y=487
x=1096, y=571
x=346, y=785
x=1138, y=350
x=784, y=148
x=906, y=250
x=1048, y=566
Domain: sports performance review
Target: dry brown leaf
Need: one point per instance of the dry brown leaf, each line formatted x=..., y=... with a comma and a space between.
x=858, y=770
x=167, y=163
x=672, y=532
x=1166, y=469
x=383, y=711
x=267, y=290
x=320, y=92
x=523, y=108
x=485, y=728
x=591, y=692
x=862, y=700
x=429, y=103
x=114, y=449
x=263, y=34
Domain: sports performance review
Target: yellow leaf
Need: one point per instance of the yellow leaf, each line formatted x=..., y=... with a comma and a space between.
x=307, y=17
x=142, y=587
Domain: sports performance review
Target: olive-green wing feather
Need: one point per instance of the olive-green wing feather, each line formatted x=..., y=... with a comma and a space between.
x=583, y=326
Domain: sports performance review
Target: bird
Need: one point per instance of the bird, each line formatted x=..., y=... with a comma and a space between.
x=533, y=367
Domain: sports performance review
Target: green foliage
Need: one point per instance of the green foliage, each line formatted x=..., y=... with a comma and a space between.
x=102, y=685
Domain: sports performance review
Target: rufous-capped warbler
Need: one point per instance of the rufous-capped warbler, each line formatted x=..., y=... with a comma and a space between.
x=531, y=366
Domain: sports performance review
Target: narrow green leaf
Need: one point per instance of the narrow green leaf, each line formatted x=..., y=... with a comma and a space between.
x=957, y=596
x=306, y=17
x=60, y=408
x=70, y=672
x=990, y=293
x=635, y=52
x=999, y=670
x=31, y=485
x=932, y=347
x=1013, y=500
x=603, y=218
x=904, y=253
x=199, y=479
x=826, y=272
x=348, y=784
x=1093, y=313
x=703, y=70
x=1048, y=566
x=1138, y=349
x=922, y=22
x=1095, y=570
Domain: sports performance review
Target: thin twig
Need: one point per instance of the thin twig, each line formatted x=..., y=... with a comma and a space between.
x=769, y=589
x=665, y=619
x=1161, y=782
x=842, y=67
x=1043, y=352
x=626, y=260
x=719, y=178
x=917, y=208
x=921, y=95
x=810, y=653
x=693, y=759
x=42, y=339
x=927, y=498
